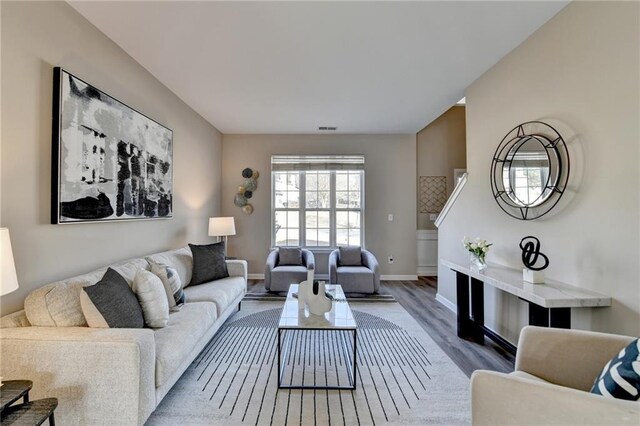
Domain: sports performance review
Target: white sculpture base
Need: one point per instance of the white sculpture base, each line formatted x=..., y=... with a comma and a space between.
x=533, y=277
x=318, y=303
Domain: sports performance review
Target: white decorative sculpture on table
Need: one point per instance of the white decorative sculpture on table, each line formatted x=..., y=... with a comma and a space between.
x=317, y=302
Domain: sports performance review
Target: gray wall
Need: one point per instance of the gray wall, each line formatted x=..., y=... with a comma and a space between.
x=579, y=72
x=441, y=148
x=36, y=36
x=390, y=187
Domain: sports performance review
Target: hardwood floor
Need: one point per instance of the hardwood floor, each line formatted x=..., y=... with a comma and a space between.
x=419, y=299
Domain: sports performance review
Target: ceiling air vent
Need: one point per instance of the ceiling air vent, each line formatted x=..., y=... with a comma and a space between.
x=329, y=128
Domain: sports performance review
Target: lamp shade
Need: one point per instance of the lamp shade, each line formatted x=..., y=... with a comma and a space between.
x=8, y=277
x=221, y=226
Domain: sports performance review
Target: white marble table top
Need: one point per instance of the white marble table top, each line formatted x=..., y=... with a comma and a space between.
x=551, y=294
x=296, y=316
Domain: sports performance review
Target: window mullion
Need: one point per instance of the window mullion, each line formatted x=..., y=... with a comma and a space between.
x=332, y=210
x=303, y=208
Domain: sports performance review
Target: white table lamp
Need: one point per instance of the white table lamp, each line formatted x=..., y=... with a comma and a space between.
x=222, y=227
x=8, y=277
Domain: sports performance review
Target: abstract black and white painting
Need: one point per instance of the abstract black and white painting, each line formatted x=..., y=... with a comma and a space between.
x=109, y=162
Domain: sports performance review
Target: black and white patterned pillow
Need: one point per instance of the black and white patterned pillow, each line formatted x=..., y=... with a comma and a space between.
x=172, y=283
x=620, y=378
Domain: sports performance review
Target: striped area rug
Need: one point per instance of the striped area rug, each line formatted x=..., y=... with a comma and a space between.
x=402, y=375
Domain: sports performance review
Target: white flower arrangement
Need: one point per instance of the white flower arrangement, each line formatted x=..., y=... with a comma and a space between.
x=477, y=246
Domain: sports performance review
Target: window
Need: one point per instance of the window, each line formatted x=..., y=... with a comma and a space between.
x=317, y=201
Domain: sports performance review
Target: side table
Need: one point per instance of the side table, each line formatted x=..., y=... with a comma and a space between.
x=28, y=413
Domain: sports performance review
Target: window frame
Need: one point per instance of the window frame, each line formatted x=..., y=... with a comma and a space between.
x=302, y=209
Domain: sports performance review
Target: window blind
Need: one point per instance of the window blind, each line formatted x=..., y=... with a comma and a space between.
x=316, y=162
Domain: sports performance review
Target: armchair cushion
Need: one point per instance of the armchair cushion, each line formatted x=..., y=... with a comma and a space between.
x=350, y=256
x=290, y=256
x=620, y=378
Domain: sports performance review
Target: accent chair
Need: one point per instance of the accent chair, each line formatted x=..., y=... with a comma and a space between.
x=285, y=266
x=355, y=269
x=554, y=372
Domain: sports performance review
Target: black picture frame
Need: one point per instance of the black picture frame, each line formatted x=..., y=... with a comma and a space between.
x=109, y=161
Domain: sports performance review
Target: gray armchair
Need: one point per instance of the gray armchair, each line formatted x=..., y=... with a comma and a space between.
x=278, y=276
x=363, y=278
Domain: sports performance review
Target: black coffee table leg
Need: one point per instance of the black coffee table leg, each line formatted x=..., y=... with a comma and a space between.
x=52, y=420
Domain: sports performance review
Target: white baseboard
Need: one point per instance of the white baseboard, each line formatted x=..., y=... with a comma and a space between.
x=255, y=276
x=447, y=303
x=427, y=271
x=399, y=277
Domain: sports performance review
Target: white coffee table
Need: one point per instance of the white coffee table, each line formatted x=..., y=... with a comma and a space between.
x=294, y=319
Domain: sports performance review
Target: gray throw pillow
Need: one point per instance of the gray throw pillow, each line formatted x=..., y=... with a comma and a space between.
x=209, y=263
x=290, y=256
x=350, y=256
x=111, y=303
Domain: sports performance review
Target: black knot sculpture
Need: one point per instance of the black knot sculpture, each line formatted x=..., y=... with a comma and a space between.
x=531, y=253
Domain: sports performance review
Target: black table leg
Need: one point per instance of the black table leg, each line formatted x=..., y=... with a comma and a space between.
x=279, y=354
x=355, y=353
x=52, y=420
x=549, y=317
x=477, y=310
x=538, y=315
x=462, y=301
x=560, y=317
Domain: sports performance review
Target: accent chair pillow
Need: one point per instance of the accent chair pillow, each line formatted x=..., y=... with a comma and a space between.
x=110, y=303
x=209, y=263
x=153, y=299
x=350, y=256
x=620, y=378
x=171, y=283
x=290, y=256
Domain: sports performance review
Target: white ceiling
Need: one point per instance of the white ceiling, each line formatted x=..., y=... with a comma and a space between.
x=289, y=67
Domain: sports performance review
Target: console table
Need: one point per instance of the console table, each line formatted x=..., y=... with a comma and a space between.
x=549, y=303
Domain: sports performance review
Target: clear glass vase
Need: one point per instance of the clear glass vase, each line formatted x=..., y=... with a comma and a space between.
x=477, y=263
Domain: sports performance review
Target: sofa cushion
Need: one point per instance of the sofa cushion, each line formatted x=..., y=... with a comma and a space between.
x=178, y=339
x=350, y=256
x=111, y=303
x=150, y=292
x=290, y=256
x=180, y=259
x=208, y=263
x=221, y=292
x=58, y=304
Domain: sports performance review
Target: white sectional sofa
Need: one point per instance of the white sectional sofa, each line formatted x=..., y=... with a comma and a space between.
x=112, y=376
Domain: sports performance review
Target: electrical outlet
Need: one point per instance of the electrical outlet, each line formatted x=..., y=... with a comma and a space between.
x=390, y=259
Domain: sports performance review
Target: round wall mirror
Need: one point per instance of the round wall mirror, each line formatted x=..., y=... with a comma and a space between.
x=530, y=170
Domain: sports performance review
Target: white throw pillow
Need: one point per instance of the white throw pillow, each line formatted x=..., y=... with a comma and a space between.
x=152, y=297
